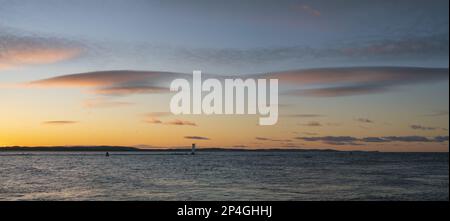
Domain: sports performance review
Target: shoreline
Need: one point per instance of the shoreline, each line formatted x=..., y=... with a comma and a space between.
x=181, y=149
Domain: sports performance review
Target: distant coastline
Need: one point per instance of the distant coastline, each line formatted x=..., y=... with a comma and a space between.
x=135, y=149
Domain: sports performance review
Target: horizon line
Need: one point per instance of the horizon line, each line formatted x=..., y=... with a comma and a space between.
x=102, y=148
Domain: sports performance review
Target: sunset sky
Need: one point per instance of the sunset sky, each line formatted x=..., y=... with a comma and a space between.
x=354, y=74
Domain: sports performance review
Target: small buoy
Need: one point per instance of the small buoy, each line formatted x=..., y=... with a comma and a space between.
x=107, y=154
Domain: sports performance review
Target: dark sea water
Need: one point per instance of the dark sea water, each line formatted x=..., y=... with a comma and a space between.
x=224, y=176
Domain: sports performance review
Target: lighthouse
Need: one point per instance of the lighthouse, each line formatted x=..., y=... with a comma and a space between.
x=193, y=149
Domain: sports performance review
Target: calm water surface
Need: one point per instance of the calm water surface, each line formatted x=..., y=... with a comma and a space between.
x=224, y=176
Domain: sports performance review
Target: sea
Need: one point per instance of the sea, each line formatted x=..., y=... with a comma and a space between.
x=224, y=175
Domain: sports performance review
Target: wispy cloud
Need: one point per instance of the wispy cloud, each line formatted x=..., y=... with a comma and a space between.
x=107, y=78
x=120, y=82
x=154, y=118
x=175, y=122
x=413, y=46
x=23, y=50
x=364, y=120
x=406, y=139
x=339, y=91
x=333, y=140
x=272, y=139
x=437, y=114
x=262, y=138
x=153, y=121
x=128, y=90
x=312, y=124
x=361, y=75
x=349, y=140
x=196, y=138
x=181, y=123
x=373, y=140
x=420, y=127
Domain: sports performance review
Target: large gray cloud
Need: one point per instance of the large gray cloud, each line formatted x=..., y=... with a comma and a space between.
x=327, y=82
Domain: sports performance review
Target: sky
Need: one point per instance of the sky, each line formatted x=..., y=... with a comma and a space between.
x=353, y=74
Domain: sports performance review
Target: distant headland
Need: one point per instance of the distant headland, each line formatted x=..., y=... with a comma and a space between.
x=70, y=148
